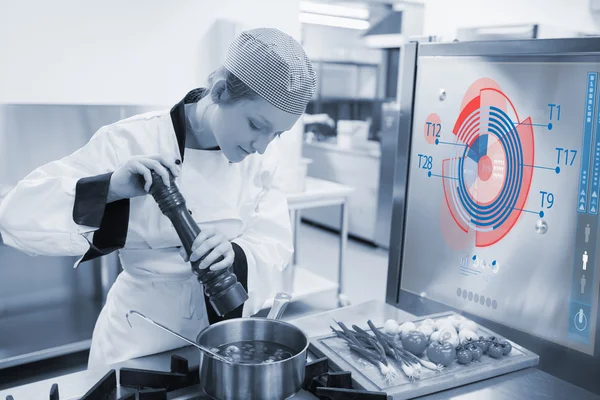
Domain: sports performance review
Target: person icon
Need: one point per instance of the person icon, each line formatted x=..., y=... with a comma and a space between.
x=585, y=260
x=583, y=281
x=587, y=233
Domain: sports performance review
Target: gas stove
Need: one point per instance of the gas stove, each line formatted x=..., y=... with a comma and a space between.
x=180, y=382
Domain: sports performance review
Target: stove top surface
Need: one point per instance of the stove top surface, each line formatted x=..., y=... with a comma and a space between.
x=180, y=382
x=195, y=393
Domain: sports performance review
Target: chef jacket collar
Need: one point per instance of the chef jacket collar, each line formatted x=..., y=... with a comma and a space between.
x=178, y=117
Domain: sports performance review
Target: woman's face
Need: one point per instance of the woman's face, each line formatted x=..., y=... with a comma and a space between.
x=248, y=126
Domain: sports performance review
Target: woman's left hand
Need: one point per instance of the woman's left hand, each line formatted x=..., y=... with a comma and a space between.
x=212, y=244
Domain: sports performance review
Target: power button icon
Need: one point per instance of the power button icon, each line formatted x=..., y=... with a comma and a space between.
x=580, y=321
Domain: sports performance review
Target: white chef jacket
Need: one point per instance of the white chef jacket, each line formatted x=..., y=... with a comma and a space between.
x=60, y=209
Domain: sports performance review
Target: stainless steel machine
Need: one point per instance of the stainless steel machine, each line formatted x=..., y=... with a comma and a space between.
x=496, y=193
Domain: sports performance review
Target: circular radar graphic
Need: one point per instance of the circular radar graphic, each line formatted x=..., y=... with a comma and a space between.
x=489, y=176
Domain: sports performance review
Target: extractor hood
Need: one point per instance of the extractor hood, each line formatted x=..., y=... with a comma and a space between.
x=403, y=21
x=385, y=33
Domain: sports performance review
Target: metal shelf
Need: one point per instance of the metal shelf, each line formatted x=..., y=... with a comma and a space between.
x=47, y=332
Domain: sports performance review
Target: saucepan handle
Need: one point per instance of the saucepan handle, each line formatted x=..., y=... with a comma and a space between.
x=280, y=303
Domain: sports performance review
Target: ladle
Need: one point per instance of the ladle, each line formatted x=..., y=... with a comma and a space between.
x=202, y=348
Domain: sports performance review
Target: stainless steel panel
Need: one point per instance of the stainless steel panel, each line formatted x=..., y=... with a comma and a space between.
x=393, y=134
x=554, y=47
x=407, y=92
x=529, y=266
x=389, y=140
x=536, y=283
x=512, y=32
x=47, y=332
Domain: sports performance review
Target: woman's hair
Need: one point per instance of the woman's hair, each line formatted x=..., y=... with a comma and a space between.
x=236, y=89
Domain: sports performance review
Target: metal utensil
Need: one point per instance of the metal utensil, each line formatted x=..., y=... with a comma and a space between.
x=199, y=346
x=258, y=381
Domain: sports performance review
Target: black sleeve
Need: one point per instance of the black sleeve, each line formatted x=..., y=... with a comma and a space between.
x=240, y=269
x=111, y=219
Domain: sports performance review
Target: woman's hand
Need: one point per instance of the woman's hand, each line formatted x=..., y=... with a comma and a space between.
x=125, y=182
x=212, y=244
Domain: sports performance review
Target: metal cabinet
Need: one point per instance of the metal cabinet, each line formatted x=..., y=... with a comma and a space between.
x=358, y=168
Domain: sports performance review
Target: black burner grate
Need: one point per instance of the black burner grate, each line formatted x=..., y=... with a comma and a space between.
x=105, y=386
x=324, y=384
x=153, y=394
x=154, y=385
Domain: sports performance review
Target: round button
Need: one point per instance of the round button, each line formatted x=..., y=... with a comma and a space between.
x=580, y=321
x=442, y=95
x=190, y=211
x=178, y=161
x=541, y=227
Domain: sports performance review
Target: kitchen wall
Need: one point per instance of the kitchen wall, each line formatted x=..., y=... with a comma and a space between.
x=138, y=52
x=443, y=17
x=68, y=67
x=120, y=52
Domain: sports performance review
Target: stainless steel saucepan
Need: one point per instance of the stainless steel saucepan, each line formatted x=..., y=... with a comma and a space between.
x=225, y=380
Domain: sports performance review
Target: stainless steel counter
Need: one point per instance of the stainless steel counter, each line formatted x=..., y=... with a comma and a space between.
x=44, y=333
x=527, y=384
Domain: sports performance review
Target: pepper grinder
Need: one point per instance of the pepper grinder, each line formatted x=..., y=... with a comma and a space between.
x=224, y=291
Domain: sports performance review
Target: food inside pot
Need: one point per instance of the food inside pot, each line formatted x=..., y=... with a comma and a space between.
x=254, y=352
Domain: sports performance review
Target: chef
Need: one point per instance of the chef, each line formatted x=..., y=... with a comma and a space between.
x=216, y=143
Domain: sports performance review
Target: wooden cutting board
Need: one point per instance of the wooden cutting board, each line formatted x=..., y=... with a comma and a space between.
x=367, y=377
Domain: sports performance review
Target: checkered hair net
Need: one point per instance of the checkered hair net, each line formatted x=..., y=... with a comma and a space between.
x=275, y=66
